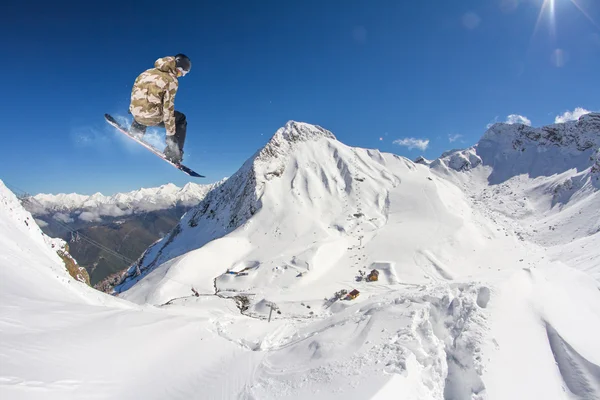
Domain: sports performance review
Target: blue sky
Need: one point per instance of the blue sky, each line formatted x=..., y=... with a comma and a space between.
x=378, y=74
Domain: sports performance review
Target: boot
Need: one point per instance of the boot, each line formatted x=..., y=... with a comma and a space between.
x=172, y=152
x=137, y=130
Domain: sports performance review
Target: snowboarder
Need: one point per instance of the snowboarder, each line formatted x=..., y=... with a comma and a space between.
x=153, y=103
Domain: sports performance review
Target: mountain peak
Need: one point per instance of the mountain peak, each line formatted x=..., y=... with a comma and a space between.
x=270, y=159
x=590, y=121
x=292, y=132
x=422, y=160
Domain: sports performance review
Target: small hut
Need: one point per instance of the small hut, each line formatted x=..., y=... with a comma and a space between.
x=352, y=295
x=373, y=276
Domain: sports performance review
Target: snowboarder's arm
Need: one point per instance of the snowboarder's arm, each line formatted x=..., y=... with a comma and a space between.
x=169, y=108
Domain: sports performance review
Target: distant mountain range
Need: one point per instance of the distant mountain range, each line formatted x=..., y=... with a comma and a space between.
x=99, y=226
x=76, y=207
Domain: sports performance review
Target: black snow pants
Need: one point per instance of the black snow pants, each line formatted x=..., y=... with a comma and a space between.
x=180, y=128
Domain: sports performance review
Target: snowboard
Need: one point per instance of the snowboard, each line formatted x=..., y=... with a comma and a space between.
x=154, y=150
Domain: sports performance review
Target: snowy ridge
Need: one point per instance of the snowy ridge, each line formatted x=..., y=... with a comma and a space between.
x=515, y=149
x=422, y=160
x=30, y=260
x=572, y=136
x=120, y=204
x=544, y=151
x=458, y=160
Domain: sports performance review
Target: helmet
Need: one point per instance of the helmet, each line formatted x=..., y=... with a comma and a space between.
x=183, y=63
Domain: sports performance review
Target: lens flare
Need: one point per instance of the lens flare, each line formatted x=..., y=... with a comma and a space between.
x=548, y=9
x=585, y=13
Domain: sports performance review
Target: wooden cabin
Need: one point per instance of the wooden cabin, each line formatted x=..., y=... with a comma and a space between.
x=352, y=295
x=373, y=276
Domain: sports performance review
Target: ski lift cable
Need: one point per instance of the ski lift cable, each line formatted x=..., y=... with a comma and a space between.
x=70, y=229
x=94, y=243
x=16, y=189
x=88, y=239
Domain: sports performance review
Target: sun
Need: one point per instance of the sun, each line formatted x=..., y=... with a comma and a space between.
x=548, y=10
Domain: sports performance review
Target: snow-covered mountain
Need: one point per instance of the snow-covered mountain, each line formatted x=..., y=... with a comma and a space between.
x=307, y=217
x=539, y=183
x=95, y=207
x=470, y=301
x=516, y=149
x=322, y=191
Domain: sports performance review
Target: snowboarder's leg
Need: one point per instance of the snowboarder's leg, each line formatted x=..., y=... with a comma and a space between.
x=174, y=149
x=180, y=129
x=137, y=130
x=172, y=152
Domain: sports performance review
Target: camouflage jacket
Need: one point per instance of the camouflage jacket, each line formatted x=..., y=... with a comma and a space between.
x=153, y=95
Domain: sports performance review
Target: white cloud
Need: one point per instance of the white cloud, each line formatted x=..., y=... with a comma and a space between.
x=413, y=143
x=41, y=224
x=89, y=217
x=103, y=210
x=454, y=138
x=571, y=115
x=64, y=218
x=112, y=210
x=511, y=119
x=518, y=119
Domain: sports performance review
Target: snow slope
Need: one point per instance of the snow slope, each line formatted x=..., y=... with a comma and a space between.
x=466, y=307
x=31, y=268
x=61, y=339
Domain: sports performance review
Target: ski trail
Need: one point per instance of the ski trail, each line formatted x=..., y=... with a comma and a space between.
x=440, y=268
